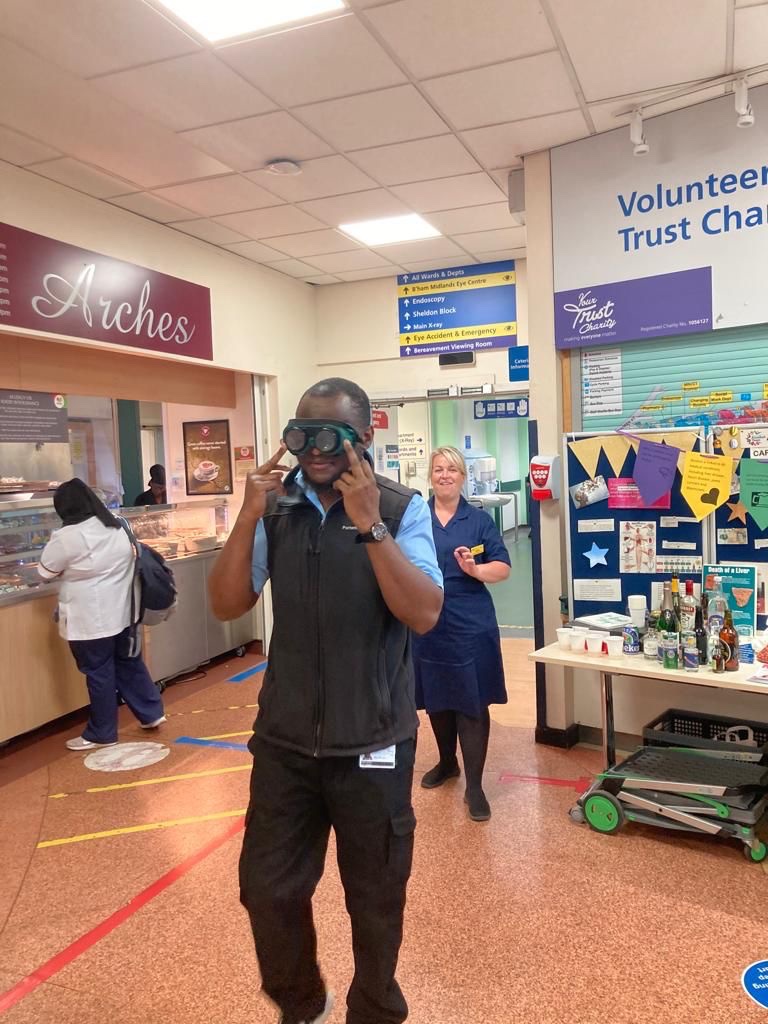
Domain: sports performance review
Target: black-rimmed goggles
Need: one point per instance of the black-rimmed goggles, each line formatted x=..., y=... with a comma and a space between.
x=327, y=436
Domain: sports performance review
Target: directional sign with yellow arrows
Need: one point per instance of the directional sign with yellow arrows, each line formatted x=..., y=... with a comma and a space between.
x=460, y=309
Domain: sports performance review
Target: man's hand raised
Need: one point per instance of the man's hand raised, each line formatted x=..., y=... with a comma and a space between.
x=263, y=480
x=359, y=491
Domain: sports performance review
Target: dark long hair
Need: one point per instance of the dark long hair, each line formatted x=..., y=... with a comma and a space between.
x=75, y=502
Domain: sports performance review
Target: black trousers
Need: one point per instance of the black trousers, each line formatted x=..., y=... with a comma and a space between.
x=295, y=801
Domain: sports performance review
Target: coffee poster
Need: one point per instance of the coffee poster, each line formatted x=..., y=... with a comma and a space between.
x=207, y=459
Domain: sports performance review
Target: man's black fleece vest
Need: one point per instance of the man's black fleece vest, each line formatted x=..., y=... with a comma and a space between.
x=339, y=680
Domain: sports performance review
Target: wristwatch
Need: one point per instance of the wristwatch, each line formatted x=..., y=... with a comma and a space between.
x=375, y=535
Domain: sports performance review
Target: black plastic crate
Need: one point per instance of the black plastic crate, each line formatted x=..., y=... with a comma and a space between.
x=676, y=728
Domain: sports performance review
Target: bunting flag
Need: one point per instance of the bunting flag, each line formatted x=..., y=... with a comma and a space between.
x=616, y=448
x=706, y=482
x=655, y=468
x=587, y=451
x=754, y=490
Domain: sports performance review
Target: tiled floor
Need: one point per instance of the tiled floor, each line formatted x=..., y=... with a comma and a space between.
x=526, y=919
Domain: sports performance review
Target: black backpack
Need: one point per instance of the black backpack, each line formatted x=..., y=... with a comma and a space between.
x=154, y=579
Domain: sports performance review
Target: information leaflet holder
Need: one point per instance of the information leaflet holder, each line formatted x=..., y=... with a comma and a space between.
x=737, y=537
x=615, y=546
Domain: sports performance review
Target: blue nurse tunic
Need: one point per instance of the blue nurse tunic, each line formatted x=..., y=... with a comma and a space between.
x=458, y=664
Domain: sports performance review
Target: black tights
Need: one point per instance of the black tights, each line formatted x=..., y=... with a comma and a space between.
x=473, y=735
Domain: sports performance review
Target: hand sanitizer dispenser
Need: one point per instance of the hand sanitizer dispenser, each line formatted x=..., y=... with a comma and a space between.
x=545, y=477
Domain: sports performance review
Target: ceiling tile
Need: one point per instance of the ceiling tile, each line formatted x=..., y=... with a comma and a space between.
x=214, y=196
x=18, y=149
x=529, y=87
x=278, y=220
x=256, y=251
x=634, y=53
x=502, y=254
x=365, y=275
x=83, y=178
x=374, y=118
x=314, y=243
x=209, y=231
x=147, y=205
x=750, y=37
x=438, y=39
x=486, y=241
x=449, y=193
x=90, y=38
x=356, y=206
x=363, y=259
x=417, y=161
x=251, y=143
x=450, y=261
x=316, y=62
x=326, y=176
x=473, y=218
x=186, y=92
x=75, y=118
x=294, y=268
x=426, y=249
x=322, y=279
x=501, y=145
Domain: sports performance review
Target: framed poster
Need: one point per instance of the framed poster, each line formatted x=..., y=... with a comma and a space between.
x=207, y=457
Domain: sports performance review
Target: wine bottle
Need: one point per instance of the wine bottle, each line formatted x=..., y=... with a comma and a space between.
x=702, y=639
x=668, y=620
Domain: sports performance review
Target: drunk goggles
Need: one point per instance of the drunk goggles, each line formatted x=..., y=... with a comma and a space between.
x=327, y=436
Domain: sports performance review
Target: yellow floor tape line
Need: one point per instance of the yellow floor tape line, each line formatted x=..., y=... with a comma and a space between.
x=154, y=782
x=150, y=827
x=227, y=735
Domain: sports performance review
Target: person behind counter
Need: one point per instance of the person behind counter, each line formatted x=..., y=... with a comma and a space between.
x=93, y=557
x=156, y=493
x=459, y=670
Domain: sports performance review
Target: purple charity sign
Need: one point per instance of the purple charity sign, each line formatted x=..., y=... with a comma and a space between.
x=654, y=471
x=649, y=307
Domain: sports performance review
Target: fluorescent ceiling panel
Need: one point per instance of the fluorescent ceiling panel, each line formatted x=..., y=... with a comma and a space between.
x=388, y=230
x=227, y=19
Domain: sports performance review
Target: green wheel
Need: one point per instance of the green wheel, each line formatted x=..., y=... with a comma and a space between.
x=755, y=856
x=603, y=812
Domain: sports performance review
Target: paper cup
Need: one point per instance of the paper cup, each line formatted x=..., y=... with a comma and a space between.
x=564, y=637
x=578, y=642
x=615, y=645
x=594, y=643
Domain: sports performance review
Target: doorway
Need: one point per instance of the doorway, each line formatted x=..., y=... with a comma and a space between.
x=406, y=433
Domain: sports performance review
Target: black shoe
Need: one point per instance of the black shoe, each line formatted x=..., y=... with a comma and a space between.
x=479, y=808
x=439, y=774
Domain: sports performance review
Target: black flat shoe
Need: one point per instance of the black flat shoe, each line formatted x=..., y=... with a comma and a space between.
x=479, y=808
x=439, y=774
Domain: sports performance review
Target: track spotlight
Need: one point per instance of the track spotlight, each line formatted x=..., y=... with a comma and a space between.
x=636, y=134
x=743, y=107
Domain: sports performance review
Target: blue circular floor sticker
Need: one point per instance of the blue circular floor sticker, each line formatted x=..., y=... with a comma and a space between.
x=755, y=982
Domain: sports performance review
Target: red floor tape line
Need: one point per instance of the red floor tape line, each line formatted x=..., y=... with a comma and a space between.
x=79, y=946
x=580, y=785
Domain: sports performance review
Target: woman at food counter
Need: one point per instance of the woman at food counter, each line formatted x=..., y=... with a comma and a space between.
x=93, y=558
x=459, y=670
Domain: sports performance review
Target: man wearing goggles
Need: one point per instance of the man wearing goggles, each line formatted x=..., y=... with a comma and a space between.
x=352, y=565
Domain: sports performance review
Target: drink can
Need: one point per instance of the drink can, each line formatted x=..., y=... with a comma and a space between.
x=691, y=659
x=631, y=640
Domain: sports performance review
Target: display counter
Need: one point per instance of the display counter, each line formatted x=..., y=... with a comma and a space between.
x=39, y=679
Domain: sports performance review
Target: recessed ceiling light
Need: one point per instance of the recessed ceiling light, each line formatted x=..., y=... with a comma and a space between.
x=226, y=19
x=388, y=230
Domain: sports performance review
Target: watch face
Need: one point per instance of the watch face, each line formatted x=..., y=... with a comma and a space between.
x=379, y=531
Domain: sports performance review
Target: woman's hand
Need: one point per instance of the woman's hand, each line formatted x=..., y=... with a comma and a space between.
x=466, y=561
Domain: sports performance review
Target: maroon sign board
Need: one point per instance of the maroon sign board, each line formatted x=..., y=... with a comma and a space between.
x=50, y=286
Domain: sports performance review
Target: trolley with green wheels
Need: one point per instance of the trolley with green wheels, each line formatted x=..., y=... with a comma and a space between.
x=715, y=792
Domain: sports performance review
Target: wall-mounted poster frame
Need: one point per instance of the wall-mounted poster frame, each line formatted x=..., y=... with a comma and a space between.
x=207, y=457
x=617, y=545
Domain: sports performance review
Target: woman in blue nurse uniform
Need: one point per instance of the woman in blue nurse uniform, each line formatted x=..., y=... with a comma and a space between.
x=459, y=670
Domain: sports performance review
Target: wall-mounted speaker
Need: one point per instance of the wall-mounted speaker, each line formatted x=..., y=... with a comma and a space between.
x=457, y=359
x=516, y=186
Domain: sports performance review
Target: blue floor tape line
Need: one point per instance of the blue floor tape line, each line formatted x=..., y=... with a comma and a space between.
x=193, y=741
x=247, y=673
